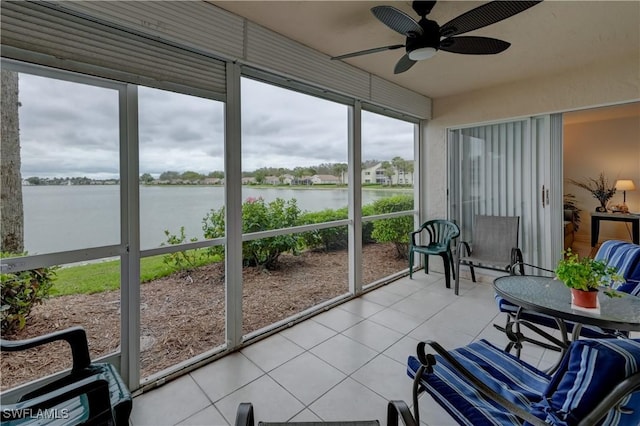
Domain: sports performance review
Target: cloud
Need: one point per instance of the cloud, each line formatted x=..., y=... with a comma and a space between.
x=72, y=129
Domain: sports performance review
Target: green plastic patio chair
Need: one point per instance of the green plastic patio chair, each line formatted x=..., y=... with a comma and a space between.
x=440, y=232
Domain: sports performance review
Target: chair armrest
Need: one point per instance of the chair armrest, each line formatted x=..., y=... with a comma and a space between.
x=516, y=256
x=96, y=389
x=244, y=416
x=75, y=336
x=622, y=389
x=400, y=409
x=412, y=237
x=464, y=249
x=428, y=361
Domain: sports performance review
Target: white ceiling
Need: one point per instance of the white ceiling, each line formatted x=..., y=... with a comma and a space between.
x=551, y=37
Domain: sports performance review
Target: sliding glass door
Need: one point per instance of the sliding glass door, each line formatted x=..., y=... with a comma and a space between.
x=505, y=169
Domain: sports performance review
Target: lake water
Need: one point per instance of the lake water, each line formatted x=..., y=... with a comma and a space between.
x=60, y=218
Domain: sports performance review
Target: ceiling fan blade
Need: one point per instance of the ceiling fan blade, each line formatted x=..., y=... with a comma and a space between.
x=484, y=15
x=474, y=45
x=397, y=20
x=366, y=52
x=403, y=64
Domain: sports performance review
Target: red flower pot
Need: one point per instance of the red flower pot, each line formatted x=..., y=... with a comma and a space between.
x=585, y=299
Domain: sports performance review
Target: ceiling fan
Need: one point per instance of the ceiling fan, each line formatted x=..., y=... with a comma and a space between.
x=426, y=37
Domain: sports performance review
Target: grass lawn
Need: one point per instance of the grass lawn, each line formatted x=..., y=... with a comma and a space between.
x=105, y=276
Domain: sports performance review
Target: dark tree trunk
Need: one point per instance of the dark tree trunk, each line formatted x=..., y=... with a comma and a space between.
x=11, y=211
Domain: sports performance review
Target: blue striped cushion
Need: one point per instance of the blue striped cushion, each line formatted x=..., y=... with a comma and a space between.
x=588, y=373
x=514, y=379
x=623, y=255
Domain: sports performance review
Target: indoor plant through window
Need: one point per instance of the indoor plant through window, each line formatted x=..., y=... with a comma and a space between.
x=599, y=188
x=584, y=276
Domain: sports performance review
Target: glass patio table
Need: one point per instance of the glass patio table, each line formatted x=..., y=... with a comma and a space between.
x=545, y=295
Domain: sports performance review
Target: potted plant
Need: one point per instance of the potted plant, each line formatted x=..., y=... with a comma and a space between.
x=571, y=205
x=599, y=188
x=585, y=276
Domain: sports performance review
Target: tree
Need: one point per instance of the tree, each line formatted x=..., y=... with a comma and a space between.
x=298, y=173
x=11, y=210
x=399, y=163
x=169, y=175
x=191, y=176
x=34, y=180
x=146, y=178
x=388, y=170
x=260, y=175
x=339, y=170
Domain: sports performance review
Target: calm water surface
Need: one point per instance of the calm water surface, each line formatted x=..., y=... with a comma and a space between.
x=60, y=218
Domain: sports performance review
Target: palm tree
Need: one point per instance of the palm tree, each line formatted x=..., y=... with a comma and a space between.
x=11, y=210
x=388, y=170
x=338, y=170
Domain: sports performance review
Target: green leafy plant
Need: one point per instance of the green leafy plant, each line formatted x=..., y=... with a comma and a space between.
x=587, y=274
x=257, y=215
x=394, y=230
x=570, y=204
x=21, y=291
x=182, y=260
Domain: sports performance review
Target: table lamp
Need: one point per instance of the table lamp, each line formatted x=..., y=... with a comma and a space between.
x=625, y=185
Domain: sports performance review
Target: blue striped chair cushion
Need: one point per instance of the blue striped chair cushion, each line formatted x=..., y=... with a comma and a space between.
x=514, y=379
x=587, y=373
x=623, y=255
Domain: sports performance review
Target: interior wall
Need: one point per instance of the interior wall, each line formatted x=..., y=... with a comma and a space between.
x=611, y=146
x=594, y=85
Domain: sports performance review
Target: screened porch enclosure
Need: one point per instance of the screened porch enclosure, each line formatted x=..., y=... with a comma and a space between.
x=183, y=133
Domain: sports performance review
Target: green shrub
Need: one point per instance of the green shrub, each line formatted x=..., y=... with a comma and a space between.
x=367, y=227
x=257, y=215
x=213, y=227
x=20, y=292
x=327, y=239
x=394, y=230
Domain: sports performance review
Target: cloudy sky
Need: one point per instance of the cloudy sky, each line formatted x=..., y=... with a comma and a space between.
x=71, y=129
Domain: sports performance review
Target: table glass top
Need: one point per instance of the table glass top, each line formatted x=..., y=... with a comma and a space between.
x=552, y=297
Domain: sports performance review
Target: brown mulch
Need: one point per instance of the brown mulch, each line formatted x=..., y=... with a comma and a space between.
x=183, y=315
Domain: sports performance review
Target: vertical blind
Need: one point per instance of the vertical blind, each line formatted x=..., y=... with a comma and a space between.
x=495, y=170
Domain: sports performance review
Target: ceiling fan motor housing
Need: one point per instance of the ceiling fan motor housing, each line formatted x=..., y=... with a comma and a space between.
x=429, y=38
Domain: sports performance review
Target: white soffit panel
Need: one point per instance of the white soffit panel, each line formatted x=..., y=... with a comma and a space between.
x=274, y=52
x=389, y=94
x=194, y=24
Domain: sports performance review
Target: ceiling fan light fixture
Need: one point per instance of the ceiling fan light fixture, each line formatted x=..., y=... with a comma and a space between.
x=422, y=53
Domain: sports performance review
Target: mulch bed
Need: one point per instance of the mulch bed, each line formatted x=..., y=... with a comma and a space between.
x=183, y=315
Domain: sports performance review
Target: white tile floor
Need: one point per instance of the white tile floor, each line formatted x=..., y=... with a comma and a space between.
x=344, y=364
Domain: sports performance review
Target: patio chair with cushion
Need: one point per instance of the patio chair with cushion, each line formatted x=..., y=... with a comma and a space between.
x=622, y=255
x=439, y=233
x=91, y=394
x=598, y=382
x=494, y=246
